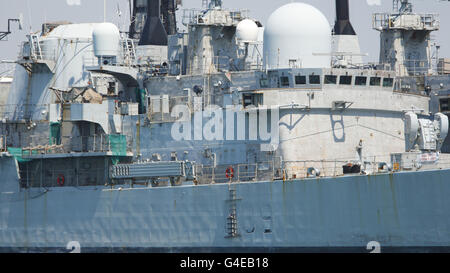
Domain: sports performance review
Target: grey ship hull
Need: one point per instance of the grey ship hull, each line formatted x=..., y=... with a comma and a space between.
x=402, y=211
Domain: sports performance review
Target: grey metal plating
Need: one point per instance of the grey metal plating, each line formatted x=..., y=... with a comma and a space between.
x=394, y=209
x=215, y=141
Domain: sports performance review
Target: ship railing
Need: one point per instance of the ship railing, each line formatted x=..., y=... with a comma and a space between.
x=417, y=67
x=151, y=57
x=94, y=143
x=221, y=64
x=322, y=168
x=48, y=55
x=126, y=56
x=442, y=66
x=81, y=144
x=443, y=164
x=216, y=64
x=197, y=17
x=270, y=171
x=151, y=62
x=444, y=161
x=91, y=60
x=412, y=67
x=262, y=171
x=266, y=171
x=51, y=177
x=428, y=21
x=33, y=49
x=334, y=167
x=254, y=66
x=370, y=165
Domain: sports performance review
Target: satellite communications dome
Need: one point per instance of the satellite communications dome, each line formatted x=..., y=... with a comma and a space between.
x=106, y=38
x=297, y=35
x=247, y=31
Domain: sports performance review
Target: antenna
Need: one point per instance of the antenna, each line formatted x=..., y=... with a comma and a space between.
x=119, y=15
x=131, y=10
x=3, y=34
x=104, y=11
x=20, y=21
x=402, y=6
x=215, y=4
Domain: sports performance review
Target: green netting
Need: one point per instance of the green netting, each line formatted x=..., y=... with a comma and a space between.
x=141, y=94
x=118, y=144
x=115, y=160
x=18, y=154
x=55, y=133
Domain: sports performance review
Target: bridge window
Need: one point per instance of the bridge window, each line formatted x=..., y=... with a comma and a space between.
x=314, y=79
x=300, y=79
x=284, y=81
x=345, y=80
x=388, y=82
x=252, y=99
x=361, y=81
x=330, y=79
x=445, y=105
x=375, y=81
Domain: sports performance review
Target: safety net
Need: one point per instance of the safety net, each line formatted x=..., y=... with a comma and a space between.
x=55, y=133
x=141, y=94
x=18, y=154
x=118, y=145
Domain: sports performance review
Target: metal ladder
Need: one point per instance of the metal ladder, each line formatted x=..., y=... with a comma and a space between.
x=232, y=223
x=129, y=51
x=36, y=51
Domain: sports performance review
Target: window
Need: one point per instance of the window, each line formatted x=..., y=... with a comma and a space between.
x=284, y=81
x=314, y=79
x=330, y=79
x=264, y=82
x=345, y=80
x=252, y=99
x=111, y=88
x=361, y=81
x=388, y=82
x=445, y=105
x=375, y=81
x=300, y=79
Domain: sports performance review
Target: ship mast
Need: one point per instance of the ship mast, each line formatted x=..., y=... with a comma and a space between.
x=4, y=34
x=405, y=39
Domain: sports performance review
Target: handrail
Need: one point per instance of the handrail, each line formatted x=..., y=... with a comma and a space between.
x=3, y=144
x=270, y=171
x=77, y=144
x=381, y=21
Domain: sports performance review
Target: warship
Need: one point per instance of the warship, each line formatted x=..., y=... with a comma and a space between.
x=233, y=135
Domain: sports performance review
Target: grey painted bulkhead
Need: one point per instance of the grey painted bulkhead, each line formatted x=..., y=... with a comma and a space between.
x=401, y=211
x=321, y=125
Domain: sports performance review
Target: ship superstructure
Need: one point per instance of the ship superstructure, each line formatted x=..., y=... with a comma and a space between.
x=217, y=118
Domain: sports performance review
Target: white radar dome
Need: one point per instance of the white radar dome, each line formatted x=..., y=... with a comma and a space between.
x=297, y=35
x=106, y=39
x=247, y=31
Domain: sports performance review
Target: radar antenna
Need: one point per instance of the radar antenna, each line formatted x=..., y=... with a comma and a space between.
x=215, y=4
x=402, y=6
